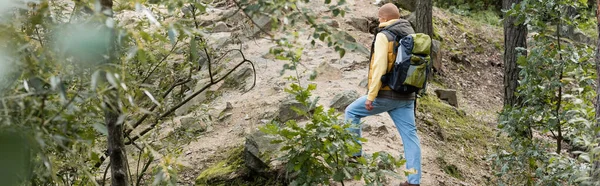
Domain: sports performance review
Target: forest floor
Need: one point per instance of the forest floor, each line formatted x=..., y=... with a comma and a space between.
x=455, y=141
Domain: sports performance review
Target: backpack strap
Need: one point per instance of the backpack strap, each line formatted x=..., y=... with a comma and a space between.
x=415, y=107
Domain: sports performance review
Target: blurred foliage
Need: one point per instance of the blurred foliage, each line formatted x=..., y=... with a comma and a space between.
x=556, y=92
x=56, y=68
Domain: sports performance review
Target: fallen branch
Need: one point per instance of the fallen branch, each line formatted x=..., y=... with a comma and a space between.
x=136, y=124
x=174, y=108
x=171, y=110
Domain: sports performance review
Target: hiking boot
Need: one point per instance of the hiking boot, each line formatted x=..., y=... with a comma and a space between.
x=408, y=184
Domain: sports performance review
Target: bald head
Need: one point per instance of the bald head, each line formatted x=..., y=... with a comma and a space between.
x=388, y=12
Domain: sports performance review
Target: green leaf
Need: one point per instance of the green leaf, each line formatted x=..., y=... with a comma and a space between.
x=101, y=128
x=338, y=176
x=342, y=52
x=270, y=128
x=172, y=35
x=112, y=79
x=336, y=12
x=145, y=35
x=193, y=50
x=327, y=1
x=151, y=97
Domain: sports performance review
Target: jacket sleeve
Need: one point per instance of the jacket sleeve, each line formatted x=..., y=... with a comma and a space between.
x=379, y=66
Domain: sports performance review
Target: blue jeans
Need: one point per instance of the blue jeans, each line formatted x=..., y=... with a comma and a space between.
x=402, y=113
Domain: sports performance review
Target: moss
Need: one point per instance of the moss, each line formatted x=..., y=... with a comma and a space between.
x=450, y=169
x=435, y=82
x=232, y=171
x=223, y=170
x=498, y=45
x=466, y=131
x=479, y=49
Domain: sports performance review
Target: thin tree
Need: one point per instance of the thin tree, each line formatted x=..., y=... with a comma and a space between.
x=116, y=146
x=514, y=36
x=424, y=24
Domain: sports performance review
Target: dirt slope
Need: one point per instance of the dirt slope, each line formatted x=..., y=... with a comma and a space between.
x=472, y=65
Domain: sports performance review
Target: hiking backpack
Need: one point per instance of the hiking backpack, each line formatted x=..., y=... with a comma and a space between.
x=412, y=65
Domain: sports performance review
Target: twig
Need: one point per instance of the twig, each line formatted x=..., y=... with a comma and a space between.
x=194, y=16
x=105, y=172
x=137, y=170
x=145, y=116
x=160, y=62
x=61, y=110
x=144, y=170
x=252, y=20
x=42, y=109
x=130, y=178
x=73, y=12
x=39, y=36
x=209, y=67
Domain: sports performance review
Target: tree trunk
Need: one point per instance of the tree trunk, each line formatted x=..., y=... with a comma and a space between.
x=424, y=23
x=595, y=158
x=514, y=36
x=116, y=146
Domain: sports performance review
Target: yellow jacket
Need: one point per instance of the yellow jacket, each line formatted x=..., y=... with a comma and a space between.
x=383, y=57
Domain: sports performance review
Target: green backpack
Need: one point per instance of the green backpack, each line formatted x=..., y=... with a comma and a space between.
x=412, y=65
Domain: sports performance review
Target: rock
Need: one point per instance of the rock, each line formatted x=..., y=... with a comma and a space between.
x=360, y=23
x=448, y=95
x=436, y=55
x=227, y=169
x=581, y=37
x=252, y=157
x=192, y=124
x=356, y=65
x=238, y=79
x=328, y=72
x=225, y=110
x=382, y=130
x=495, y=64
x=228, y=106
x=342, y=100
x=367, y=128
x=373, y=25
x=259, y=150
x=199, y=99
x=220, y=40
x=364, y=83
x=348, y=37
x=262, y=23
x=287, y=113
x=460, y=59
x=224, y=116
x=333, y=23
x=220, y=27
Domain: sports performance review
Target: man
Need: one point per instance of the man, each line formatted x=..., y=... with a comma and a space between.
x=381, y=98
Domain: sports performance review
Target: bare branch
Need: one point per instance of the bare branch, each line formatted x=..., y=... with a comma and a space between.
x=171, y=110
x=209, y=67
x=139, y=179
x=105, y=172
x=145, y=116
x=148, y=74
